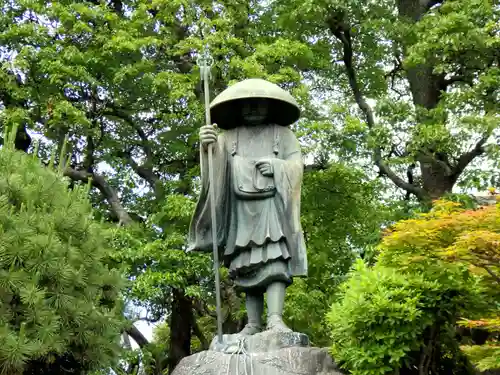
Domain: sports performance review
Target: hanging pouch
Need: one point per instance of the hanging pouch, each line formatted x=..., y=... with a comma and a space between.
x=248, y=182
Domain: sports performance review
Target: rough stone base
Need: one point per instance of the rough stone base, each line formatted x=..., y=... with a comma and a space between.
x=261, y=342
x=266, y=353
x=288, y=361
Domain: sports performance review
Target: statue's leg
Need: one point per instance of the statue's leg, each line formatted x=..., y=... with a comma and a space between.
x=275, y=304
x=255, y=308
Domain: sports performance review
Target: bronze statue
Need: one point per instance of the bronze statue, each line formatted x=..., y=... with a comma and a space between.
x=257, y=175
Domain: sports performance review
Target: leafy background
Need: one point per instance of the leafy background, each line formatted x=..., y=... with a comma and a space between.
x=400, y=104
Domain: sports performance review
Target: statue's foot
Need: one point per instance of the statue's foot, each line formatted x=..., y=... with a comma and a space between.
x=250, y=329
x=275, y=323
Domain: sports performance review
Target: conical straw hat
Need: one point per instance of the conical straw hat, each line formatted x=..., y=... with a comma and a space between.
x=226, y=108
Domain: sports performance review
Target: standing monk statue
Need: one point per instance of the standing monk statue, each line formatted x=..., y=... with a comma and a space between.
x=257, y=170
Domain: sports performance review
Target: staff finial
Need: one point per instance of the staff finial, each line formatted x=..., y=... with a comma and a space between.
x=205, y=62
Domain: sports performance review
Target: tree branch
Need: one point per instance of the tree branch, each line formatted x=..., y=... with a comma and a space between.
x=122, y=114
x=137, y=335
x=198, y=332
x=126, y=341
x=109, y=193
x=315, y=167
x=393, y=73
x=88, y=162
x=399, y=182
x=22, y=140
x=466, y=158
x=437, y=158
x=341, y=31
x=458, y=78
x=409, y=175
x=492, y=274
x=415, y=9
x=143, y=170
x=428, y=4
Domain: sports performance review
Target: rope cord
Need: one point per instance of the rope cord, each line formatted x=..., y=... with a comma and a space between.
x=240, y=351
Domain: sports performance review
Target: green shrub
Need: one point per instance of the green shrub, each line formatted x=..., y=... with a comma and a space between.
x=60, y=306
x=386, y=321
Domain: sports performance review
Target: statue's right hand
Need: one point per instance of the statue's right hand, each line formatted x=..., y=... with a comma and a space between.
x=208, y=135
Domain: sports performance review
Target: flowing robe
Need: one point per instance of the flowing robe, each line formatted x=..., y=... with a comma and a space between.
x=260, y=240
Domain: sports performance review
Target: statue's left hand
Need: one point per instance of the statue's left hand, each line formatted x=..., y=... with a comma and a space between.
x=265, y=167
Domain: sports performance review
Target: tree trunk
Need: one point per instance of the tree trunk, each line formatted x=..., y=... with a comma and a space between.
x=181, y=319
x=436, y=181
x=426, y=88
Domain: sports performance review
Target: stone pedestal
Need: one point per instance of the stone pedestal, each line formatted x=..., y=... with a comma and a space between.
x=266, y=353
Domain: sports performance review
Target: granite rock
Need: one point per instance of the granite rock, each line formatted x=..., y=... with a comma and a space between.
x=266, y=341
x=266, y=353
x=286, y=361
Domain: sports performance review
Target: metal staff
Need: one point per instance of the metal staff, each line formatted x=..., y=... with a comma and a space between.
x=205, y=62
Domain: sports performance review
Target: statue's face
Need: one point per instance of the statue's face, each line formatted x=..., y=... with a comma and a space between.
x=255, y=111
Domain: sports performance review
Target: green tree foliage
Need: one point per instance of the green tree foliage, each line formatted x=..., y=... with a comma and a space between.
x=119, y=79
x=155, y=355
x=434, y=272
x=390, y=322
x=424, y=78
x=60, y=304
x=341, y=216
x=166, y=279
x=451, y=236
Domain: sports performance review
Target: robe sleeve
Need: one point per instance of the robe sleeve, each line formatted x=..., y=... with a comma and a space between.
x=288, y=173
x=200, y=230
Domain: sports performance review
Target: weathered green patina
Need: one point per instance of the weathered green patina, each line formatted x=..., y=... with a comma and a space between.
x=257, y=181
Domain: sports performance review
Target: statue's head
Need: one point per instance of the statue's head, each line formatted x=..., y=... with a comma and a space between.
x=254, y=102
x=254, y=111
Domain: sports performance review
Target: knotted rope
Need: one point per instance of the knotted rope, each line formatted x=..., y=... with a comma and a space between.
x=241, y=350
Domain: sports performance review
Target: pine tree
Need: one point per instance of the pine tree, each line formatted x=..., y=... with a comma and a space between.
x=60, y=305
